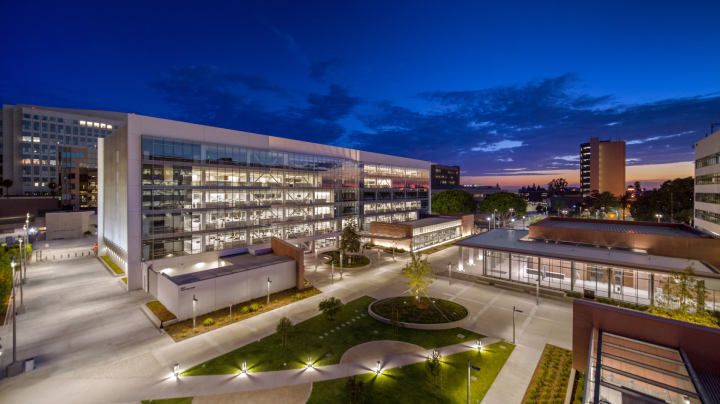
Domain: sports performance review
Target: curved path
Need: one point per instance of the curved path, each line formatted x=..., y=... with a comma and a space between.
x=377, y=350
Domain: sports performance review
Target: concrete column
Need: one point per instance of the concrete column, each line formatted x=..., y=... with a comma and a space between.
x=460, y=259
x=609, y=282
x=471, y=256
x=651, y=289
x=510, y=266
x=573, y=275
x=248, y=237
x=484, y=271
x=202, y=243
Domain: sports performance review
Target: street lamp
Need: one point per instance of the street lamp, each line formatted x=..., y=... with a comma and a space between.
x=513, y=223
x=658, y=217
x=393, y=250
x=194, y=304
x=268, y=299
x=14, y=368
x=519, y=311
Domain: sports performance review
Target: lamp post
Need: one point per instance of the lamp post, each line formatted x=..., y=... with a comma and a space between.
x=22, y=254
x=377, y=370
x=310, y=362
x=316, y=261
x=341, y=264
x=268, y=299
x=194, y=304
x=658, y=217
x=523, y=222
x=469, y=366
x=494, y=222
x=332, y=272
x=519, y=311
x=450, y=273
x=393, y=250
x=513, y=223
x=12, y=264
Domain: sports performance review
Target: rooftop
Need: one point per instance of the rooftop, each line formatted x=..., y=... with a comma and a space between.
x=620, y=227
x=516, y=241
x=430, y=221
x=239, y=263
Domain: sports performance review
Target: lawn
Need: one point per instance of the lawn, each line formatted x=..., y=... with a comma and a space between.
x=412, y=384
x=319, y=337
x=112, y=265
x=182, y=400
x=240, y=311
x=420, y=311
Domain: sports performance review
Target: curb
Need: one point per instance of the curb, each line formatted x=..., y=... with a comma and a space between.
x=442, y=326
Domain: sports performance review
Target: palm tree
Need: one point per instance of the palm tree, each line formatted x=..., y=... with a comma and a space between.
x=624, y=201
x=52, y=186
x=605, y=200
x=7, y=184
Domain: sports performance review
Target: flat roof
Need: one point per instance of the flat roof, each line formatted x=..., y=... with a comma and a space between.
x=240, y=263
x=619, y=227
x=516, y=241
x=430, y=221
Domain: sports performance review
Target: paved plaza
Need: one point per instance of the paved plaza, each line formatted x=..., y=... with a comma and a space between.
x=92, y=344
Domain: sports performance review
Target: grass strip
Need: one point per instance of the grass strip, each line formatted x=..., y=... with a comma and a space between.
x=160, y=311
x=412, y=384
x=353, y=326
x=112, y=264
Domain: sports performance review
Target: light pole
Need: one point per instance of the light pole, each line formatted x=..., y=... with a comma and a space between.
x=658, y=217
x=493, y=216
x=450, y=273
x=22, y=254
x=194, y=301
x=393, y=250
x=268, y=299
x=523, y=222
x=513, y=224
x=332, y=272
x=519, y=311
x=341, y=264
x=316, y=262
x=469, y=366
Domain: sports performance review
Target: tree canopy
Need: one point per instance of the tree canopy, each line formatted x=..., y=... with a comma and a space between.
x=507, y=205
x=674, y=201
x=418, y=274
x=350, y=239
x=557, y=186
x=454, y=201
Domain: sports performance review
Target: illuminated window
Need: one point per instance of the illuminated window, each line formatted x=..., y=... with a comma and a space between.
x=102, y=125
x=26, y=161
x=37, y=184
x=36, y=161
x=53, y=162
x=82, y=123
x=97, y=125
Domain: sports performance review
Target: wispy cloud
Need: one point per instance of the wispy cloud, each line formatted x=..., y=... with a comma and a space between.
x=493, y=147
x=575, y=157
x=651, y=139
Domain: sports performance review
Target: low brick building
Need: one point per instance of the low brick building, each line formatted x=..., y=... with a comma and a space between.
x=419, y=234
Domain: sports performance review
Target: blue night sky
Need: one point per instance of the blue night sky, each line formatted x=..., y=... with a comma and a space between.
x=507, y=90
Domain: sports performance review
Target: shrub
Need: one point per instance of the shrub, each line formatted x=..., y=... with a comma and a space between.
x=195, y=330
x=208, y=322
x=245, y=310
x=298, y=296
x=254, y=307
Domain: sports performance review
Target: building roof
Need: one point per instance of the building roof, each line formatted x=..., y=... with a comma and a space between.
x=430, y=221
x=619, y=227
x=239, y=263
x=516, y=241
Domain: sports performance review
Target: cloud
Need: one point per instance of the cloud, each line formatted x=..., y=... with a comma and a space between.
x=503, y=144
x=211, y=96
x=507, y=159
x=650, y=139
x=289, y=40
x=575, y=157
x=320, y=69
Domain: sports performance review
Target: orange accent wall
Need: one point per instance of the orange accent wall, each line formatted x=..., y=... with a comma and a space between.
x=282, y=247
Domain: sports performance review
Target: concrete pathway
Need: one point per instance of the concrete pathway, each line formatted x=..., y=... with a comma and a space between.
x=93, y=344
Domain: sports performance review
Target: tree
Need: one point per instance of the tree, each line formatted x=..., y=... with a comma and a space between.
x=52, y=187
x=330, y=307
x=605, y=201
x=507, y=205
x=557, y=187
x=355, y=390
x=683, y=298
x=673, y=200
x=559, y=205
x=624, y=201
x=284, y=329
x=454, y=201
x=433, y=365
x=350, y=239
x=7, y=184
x=637, y=186
x=418, y=274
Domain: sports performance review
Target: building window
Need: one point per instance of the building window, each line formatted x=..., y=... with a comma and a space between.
x=711, y=217
x=707, y=160
x=707, y=198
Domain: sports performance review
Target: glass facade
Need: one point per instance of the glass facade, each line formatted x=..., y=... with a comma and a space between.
x=200, y=197
x=621, y=284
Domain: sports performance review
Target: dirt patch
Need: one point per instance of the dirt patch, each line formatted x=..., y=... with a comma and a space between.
x=159, y=310
x=378, y=350
x=295, y=394
x=241, y=311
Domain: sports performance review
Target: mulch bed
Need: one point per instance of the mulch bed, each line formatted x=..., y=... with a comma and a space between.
x=420, y=311
x=550, y=379
x=221, y=318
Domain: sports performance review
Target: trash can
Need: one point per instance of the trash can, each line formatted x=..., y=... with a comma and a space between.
x=29, y=364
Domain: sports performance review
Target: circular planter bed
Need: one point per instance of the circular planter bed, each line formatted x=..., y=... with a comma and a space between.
x=420, y=313
x=357, y=261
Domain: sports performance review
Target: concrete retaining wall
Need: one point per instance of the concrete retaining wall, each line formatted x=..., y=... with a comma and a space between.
x=442, y=326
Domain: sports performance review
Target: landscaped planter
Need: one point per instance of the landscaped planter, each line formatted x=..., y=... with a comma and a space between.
x=435, y=326
x=154, y=319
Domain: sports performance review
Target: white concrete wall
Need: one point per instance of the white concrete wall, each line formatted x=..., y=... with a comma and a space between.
x=217, y=293
x=705, y=147
x=66, y=224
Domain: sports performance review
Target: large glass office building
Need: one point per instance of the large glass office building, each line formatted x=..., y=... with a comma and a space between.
x=198, y=193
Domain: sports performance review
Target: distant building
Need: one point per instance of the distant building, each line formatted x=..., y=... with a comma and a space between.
x=31, y=138
x=78, y=178
x=444, y=177
x=602, y=166
x=707, y=184
x=534, y=194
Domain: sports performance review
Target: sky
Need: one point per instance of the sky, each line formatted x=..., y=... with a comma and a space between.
x=507, y=90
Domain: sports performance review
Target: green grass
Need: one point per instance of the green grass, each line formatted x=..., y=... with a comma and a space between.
x=160, y=311
x=412, y=384
x=124, y=279
x=112, y=265
x=269, y=355
x=420, y=311
x=183, y=400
